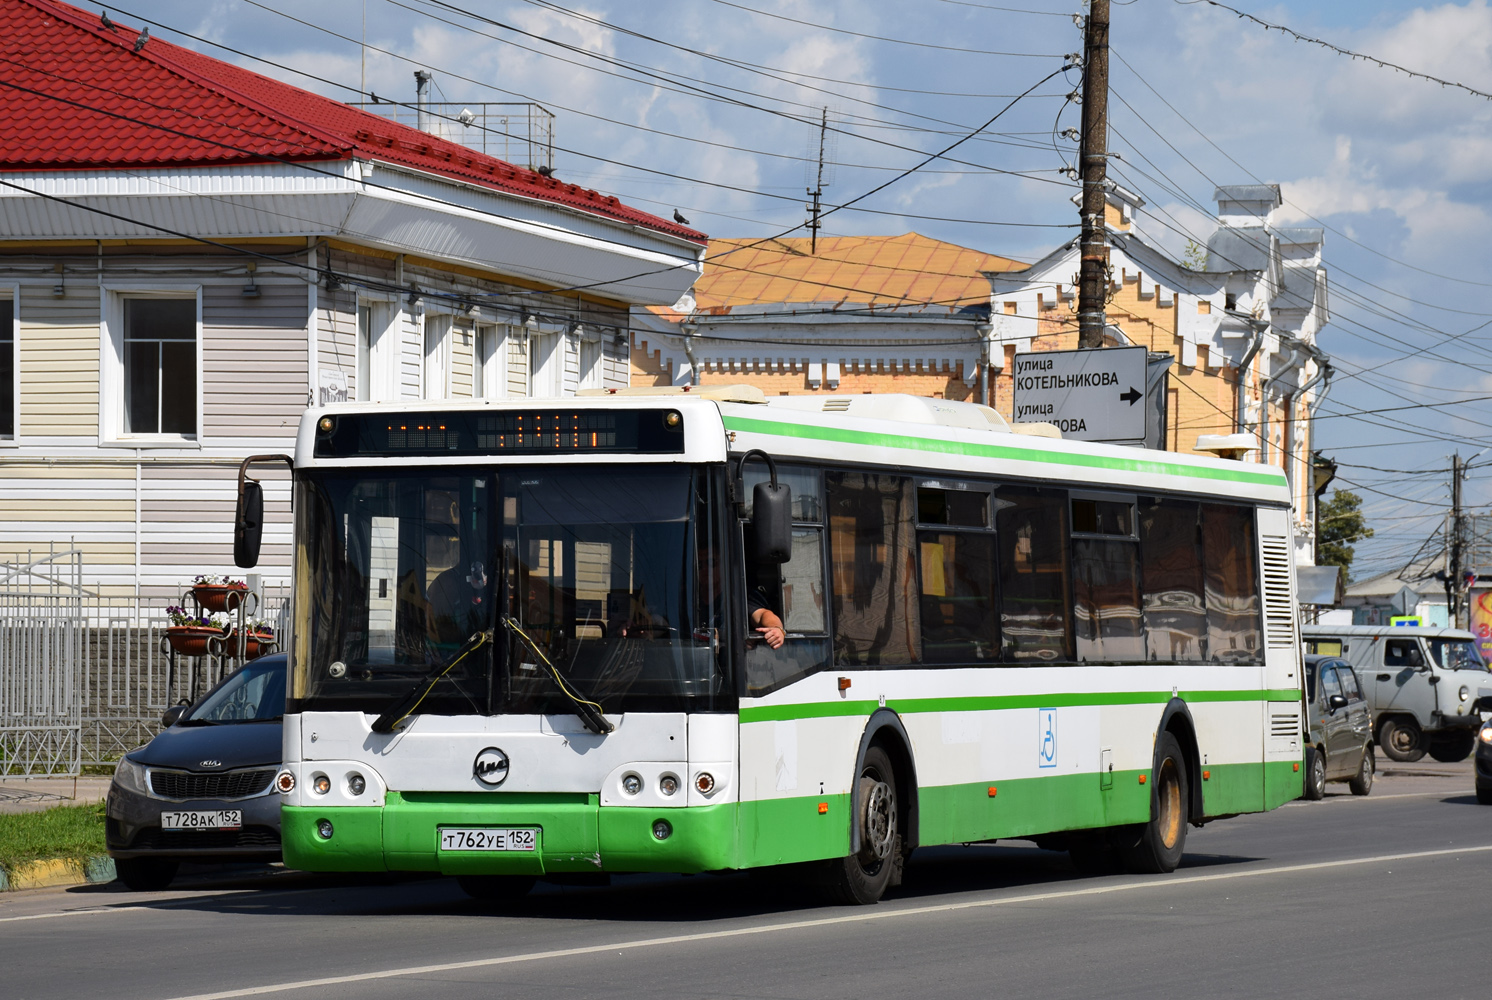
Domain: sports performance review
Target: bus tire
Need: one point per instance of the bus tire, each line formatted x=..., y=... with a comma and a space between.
x=861, y=879
x=1401, y=739
x=1156, y=847
x=496, y=888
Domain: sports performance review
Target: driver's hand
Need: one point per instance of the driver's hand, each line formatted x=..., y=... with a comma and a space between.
x=773, y=635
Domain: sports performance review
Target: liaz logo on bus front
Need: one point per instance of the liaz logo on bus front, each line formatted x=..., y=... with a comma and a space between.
x=491, y=767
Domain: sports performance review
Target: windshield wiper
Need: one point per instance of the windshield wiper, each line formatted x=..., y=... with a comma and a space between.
x=589, y=712
x=405, y=706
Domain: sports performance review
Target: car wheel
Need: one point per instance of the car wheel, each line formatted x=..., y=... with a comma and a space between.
x=1401, y=740
x=1484, y=794
x=1362, y=784
x=1156, y=847
x=145, y=874
x=496, y=888
x=862, y=878
x=1315, y=776
x=1453, y=748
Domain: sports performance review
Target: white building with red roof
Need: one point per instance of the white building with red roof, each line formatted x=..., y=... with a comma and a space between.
x=193, y=252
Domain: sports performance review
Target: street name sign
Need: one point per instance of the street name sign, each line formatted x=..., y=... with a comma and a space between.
x=1091, y=395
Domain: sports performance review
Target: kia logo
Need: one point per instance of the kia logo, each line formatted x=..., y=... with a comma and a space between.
x=491, y=767
x=211, y=763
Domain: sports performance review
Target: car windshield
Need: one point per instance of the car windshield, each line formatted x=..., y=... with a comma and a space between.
x=1457, y=654
x=595, y=565
x=253, y=693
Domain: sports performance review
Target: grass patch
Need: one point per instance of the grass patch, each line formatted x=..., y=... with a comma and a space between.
x=59, y=832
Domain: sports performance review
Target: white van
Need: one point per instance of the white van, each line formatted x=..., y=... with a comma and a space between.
x=1426, y=686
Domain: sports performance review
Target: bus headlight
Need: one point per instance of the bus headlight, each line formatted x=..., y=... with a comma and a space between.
x=356, y=783
x=321, y=784
x=668, y=784
x=1465, y=692
x=662, y=830
x=631, y=783
x=285, y=782
x=324, y=829
x=705, y=782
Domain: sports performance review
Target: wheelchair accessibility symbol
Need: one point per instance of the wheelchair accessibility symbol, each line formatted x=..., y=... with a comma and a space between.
x=1046, y=737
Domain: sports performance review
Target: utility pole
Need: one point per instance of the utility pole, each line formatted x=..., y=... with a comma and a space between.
x=1455, y=543
x=1093, y=273
x=818, y=189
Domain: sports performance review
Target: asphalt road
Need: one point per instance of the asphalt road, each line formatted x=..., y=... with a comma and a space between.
x=1370, y=897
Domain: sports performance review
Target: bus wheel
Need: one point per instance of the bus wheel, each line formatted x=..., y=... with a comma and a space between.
x=862, y=878
x=1155, y=847
x=496, y=888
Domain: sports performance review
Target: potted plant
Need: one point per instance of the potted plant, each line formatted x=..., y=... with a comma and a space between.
x=219, y=593
x=258, y=640
x=188, y=633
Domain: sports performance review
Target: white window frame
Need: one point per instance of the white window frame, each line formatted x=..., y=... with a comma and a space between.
x=593, y=377
x=548, y=382
x=383, y=350
x=436, y=364
x=111, y=368
x=13, y=292
x=489, y=372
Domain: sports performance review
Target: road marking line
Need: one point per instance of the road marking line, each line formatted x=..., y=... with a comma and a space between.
x=794, y=925
x=75, y=913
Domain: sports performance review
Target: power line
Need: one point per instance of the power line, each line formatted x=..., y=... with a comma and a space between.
x=1382, y=63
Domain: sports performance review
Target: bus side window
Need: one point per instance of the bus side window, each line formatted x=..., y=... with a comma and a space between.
x=1031, y=534
x=794, y=590
x=1230, y=557
x=1175, y=607
x=1106, y=581
x=873, y=548
x=956, y=556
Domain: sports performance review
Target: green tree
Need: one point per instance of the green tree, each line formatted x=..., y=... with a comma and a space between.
x=1339, y=523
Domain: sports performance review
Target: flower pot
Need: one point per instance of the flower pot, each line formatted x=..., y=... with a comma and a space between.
x=191, y=640
x=220, y=597
x=255, y=645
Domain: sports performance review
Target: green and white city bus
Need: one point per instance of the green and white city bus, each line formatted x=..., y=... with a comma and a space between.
x=526, y=638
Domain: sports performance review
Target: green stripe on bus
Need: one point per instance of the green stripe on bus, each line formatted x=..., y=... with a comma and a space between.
x=988, y=703
x=753, y=425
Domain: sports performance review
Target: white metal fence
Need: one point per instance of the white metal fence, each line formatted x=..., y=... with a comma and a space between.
x=84, y=678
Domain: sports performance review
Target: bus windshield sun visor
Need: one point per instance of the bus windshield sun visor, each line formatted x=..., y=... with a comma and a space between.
x=589, y=712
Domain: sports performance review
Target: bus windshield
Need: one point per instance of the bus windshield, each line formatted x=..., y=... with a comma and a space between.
x=595, y=564
x=1456, y=654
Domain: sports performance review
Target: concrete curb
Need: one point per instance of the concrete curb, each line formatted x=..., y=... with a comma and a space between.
x=57, y=872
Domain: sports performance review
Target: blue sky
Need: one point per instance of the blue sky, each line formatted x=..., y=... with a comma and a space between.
x=1396, y=168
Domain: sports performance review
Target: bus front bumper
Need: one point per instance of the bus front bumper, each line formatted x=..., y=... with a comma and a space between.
x=575, y=834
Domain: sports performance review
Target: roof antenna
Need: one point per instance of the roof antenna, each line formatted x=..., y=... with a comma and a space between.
x=144, y=37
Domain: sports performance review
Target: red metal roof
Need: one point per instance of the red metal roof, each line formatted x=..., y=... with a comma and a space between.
x=78, y=97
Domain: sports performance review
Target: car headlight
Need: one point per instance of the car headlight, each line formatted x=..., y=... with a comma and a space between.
x=130, y=776
x=1465, y=692
x=1486, y=733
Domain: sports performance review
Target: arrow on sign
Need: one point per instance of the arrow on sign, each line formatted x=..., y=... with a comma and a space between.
x=1131, y=396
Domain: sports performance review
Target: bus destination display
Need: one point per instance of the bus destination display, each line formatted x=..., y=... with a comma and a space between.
x=532, y=432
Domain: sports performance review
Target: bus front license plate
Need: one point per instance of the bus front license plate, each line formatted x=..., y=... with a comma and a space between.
x=202, y=819
x=489, y=839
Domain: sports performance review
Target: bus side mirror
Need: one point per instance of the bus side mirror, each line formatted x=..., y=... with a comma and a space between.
x=248, y=524
x=248, y=520
x=772, y=519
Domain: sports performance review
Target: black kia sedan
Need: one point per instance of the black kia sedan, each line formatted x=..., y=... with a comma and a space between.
x=203, y=790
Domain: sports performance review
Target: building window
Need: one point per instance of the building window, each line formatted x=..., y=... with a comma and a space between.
x=160, y=366
x=487, y=370
x=8, y=365
x=592, y=363
x=437, y=357
x=546, y=365
x=364, y=351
